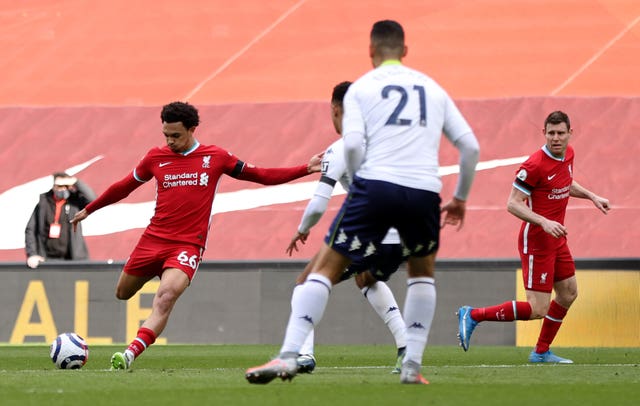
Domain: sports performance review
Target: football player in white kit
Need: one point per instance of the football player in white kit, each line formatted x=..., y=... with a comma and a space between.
x=369, y=277
x=400, y=115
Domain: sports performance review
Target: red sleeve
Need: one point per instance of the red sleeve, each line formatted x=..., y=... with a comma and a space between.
x=528, y=175
x=271, y=176
x=114, y=193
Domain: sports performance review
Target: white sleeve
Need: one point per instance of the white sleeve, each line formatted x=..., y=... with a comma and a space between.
x=458, y=131
x=353, y=152
x=455, y=125
x=316, y=207
x=469, y=150
x=353, y=132
x=333, y=168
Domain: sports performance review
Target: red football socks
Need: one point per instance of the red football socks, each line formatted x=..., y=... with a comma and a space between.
x=144, y=338
x=507, y=311
x=550, y=326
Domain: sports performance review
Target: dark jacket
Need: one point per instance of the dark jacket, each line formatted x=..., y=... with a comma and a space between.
x=70, y=245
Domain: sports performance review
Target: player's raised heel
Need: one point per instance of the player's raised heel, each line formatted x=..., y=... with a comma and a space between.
x=466, y=325
x=547, y=357
x=283, y=368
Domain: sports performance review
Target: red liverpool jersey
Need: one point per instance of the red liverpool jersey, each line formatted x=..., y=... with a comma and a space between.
x=547, y=181
x=185, y=186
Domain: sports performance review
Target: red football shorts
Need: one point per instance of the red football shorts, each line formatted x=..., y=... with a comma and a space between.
x=540, y=271
x=153, y=255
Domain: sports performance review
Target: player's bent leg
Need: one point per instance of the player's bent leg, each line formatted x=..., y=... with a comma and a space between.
x=307, y=270
x=566, y=291
x=422, y=266
x=365, y=279
x=384, y=303
x=554, y=314
x=539, y=302
x=172, y=284
x=128, y=285
x=330, y=264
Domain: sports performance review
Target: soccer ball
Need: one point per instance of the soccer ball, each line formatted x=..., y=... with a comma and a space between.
x=69, y=351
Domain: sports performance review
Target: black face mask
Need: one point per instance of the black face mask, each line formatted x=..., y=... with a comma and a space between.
x=62, y=194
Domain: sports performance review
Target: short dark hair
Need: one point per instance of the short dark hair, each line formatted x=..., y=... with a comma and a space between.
x=387, y=34
x=177, y=112
x=557, y=117
x=339, y=90
x=60, y=175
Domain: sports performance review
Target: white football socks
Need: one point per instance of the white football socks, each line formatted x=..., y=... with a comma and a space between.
x=384, y=303
x=307, y=346
x=307, y=307
x=419, y=308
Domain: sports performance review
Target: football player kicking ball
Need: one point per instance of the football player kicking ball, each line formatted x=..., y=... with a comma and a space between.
x=369, y=279
x=539, y=198
x=187, y=174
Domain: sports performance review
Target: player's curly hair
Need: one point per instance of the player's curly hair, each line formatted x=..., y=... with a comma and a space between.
x=176, y=112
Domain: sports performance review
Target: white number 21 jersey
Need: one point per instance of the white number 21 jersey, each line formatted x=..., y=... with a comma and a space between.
x=402, y=114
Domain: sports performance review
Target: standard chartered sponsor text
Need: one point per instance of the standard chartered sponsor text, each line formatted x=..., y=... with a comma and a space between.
x=180, y=179
x=557, y=194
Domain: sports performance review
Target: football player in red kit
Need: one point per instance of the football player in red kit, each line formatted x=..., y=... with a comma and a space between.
x=539, y=198
x=187, y=175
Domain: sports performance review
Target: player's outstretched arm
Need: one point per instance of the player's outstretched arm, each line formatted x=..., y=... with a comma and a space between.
x=315, y=163
x=113, y=194
x=277, y=176
x=79, y=216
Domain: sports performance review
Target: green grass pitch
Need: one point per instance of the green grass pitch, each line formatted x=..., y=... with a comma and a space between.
x=346, y=375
